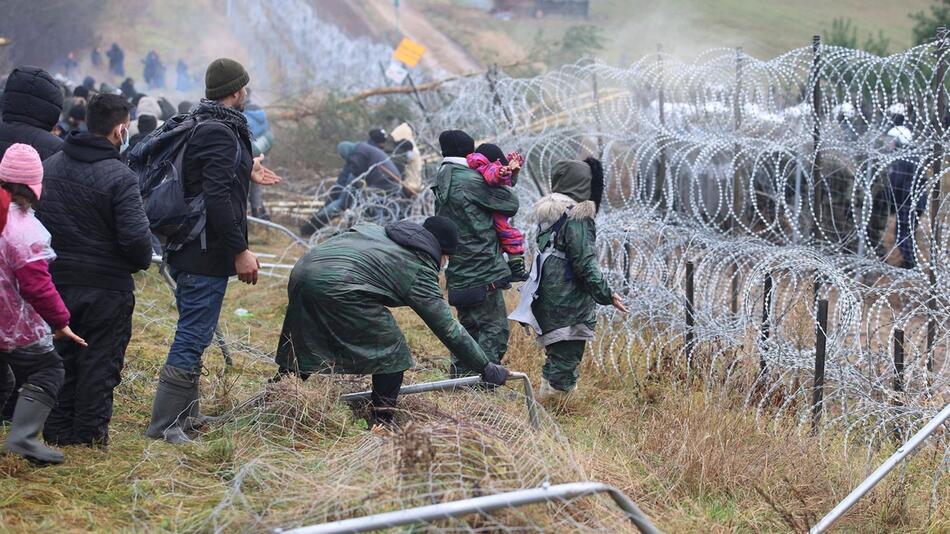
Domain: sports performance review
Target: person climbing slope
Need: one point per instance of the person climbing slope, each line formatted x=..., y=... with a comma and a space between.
x=500, y=170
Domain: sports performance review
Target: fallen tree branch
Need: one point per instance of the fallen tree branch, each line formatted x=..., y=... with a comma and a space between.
x=300, y=113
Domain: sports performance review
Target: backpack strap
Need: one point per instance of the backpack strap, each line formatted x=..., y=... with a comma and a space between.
x=199, y=231
x=555, y=230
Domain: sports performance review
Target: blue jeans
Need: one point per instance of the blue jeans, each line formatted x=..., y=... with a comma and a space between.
x=199, y=300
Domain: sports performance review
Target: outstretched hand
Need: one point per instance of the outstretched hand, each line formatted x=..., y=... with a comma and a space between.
x=261, y=174
x=68, y=333
x=618, y=303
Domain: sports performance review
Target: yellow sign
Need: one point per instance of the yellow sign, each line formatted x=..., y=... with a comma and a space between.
x=409, y=52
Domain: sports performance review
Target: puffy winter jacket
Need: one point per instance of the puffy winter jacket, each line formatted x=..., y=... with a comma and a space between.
x=93, y=209
x=32, y=104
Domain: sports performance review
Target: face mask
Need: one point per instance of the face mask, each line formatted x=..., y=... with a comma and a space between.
x=125, y=141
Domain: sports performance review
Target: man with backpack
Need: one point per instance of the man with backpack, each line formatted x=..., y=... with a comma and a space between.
x=93, y=209
x=216, y=172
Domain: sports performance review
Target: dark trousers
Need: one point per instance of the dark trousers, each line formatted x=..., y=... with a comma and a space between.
x=84, y=409
x=385, y=392
x=42, y=370
x=560, y=364
x=487, y=323
x=906, y=226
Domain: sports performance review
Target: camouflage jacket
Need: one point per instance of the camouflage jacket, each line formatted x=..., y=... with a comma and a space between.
x=571, y=282
x=337, y=318
x=462, y=195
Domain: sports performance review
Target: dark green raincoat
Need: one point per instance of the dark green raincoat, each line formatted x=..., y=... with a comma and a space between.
x=462, y=195
x=570, y=286
x=337, y=318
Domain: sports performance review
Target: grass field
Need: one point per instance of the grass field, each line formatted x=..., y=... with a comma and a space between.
x=634, y=28
x=693, y=462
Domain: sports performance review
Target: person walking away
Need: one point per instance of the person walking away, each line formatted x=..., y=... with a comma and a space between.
x=94, y=211
x=499, y=170
x=566, y=282
x=217, y=164
x=29, y=307
x=116, y=60
x=339, y=293
x=365, y=165
x=146, y=125
x=80, y=97
x=147, y=105
x=128, y=89
x=477, y=273
x=262, y=141
x=32, y=104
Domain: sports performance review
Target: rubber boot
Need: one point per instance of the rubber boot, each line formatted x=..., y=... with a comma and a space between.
x=548, y=391
x=196, y=419
x=32, y=408
x=173, y=402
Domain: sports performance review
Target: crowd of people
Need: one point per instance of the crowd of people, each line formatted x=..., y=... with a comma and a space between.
x=77, y=223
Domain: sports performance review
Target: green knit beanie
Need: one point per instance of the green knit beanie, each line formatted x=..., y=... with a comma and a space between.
x=224, y=77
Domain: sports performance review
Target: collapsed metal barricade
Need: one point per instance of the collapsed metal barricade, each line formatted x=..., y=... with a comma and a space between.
x=483, y=505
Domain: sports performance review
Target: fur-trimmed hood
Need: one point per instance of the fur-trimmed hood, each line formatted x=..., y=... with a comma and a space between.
x=549, y=209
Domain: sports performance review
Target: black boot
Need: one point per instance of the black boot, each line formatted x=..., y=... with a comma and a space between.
x=316, y=221
x=32, y=408
x=173, y=403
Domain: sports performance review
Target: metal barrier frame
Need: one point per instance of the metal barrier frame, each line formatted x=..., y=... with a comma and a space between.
x=903, y=452
x=281, y=228
x=458, y=383
x=485, y=504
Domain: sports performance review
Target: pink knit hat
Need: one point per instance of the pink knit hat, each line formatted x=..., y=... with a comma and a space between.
x=21, y=164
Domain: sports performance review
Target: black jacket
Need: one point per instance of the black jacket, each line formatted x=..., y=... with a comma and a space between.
x=92, y=207
x=209, y=168
x=32, y=103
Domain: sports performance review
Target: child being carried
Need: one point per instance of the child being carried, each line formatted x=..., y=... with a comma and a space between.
x=500, y=170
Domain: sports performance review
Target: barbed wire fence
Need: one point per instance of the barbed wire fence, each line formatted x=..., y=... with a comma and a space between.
x=754, y=212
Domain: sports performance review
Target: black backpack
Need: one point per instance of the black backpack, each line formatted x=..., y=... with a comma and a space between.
x=157, y=160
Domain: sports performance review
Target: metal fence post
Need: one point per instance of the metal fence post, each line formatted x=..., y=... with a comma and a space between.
x=690, y=309
x=898, y=377
x=766, y=311
x=821, y=338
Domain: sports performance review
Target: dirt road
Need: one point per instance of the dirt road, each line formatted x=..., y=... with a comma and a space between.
x=442, y=52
